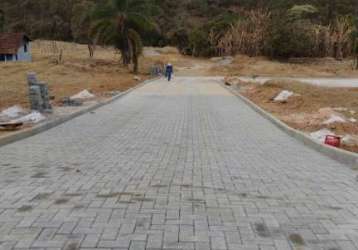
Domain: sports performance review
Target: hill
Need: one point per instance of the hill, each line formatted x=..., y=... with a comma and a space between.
x=202, y=28
x=57, y=19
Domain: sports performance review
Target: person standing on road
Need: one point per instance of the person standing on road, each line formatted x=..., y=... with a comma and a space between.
x=169, y=70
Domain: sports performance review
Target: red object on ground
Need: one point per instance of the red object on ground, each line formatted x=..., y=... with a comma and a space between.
x=333, y=140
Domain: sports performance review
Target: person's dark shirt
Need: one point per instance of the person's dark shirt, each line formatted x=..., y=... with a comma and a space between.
x=169, y=69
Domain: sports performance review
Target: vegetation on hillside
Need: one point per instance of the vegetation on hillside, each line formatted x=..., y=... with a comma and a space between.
x=275, y=28
x=118, y=22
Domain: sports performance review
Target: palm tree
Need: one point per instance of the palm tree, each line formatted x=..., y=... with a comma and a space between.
x=119, y=22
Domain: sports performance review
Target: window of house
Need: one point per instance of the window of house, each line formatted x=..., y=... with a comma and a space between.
x=2, y=58
x=8, y=57
x=25, y=47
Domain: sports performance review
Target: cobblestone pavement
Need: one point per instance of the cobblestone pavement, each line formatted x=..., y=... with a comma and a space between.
x=184, y=165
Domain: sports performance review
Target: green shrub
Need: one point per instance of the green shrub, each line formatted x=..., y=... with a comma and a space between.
x=203, y=40
x=2, y=21
x=298, y=12
x=180, y=38
x=290, y=39
x=199, y=43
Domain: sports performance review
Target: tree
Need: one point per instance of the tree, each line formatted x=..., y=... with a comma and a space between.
x=356, y=54
x=298, y=12
x=355, y=51
x=119, y=22
x=203, y=40
x=2, y=21
x=342, y=35
x=248, y=35
x=199, y=43
x=331, y=10
x=290, y=39
x=180, y=38
x=81, y=24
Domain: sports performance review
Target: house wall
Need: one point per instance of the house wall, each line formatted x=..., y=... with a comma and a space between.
x=7, y=58
x=22, y=55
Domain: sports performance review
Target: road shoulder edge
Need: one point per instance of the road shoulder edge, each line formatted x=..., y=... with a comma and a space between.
x=42, y=127
x=340, y=155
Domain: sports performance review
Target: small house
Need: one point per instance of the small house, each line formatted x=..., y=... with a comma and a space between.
x=14, y=47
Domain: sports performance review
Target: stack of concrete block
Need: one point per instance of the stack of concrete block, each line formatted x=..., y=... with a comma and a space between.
x=38, y=94
x=156, y=70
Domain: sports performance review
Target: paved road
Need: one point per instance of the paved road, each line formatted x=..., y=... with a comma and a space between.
x=184, y=165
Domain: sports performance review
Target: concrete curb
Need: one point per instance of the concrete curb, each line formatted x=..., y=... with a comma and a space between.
x=58, y=121
x=336, y=154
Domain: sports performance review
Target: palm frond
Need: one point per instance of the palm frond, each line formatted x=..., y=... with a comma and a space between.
x=101, y=28
x=121, y=5
x=109, y=35
x=104, y=9
x=119, y=22
x=141, y=23
x=145, y=7
x=136, y=41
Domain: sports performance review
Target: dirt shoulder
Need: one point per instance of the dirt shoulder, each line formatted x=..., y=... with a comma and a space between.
x=251, y=66
x=100, y=75
x=302, y=67
x=104, y=76
x=308, y=108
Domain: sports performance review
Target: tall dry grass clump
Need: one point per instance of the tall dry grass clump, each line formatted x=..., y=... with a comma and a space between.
x=246, y=36
x=259, y=32
x=334, y=40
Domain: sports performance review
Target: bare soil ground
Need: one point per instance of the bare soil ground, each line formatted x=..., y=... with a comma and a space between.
x=183, y=65
x=242, y=65
x=100, y=75
x=305, y=67
x=104, y=74
x=77, y=72
x=309, y=107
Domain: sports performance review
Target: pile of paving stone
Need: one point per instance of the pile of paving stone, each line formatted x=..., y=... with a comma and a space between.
x=38, y=94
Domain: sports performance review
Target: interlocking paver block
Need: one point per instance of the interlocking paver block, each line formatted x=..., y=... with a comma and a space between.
x=180, y=165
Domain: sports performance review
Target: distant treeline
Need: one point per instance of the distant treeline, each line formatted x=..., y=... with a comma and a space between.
x=277, y=28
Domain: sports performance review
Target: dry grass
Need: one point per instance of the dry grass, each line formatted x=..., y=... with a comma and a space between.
x=183, y=65
x=311, y=98
x=104, y=73
x=101, y=74
x=261, y=66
